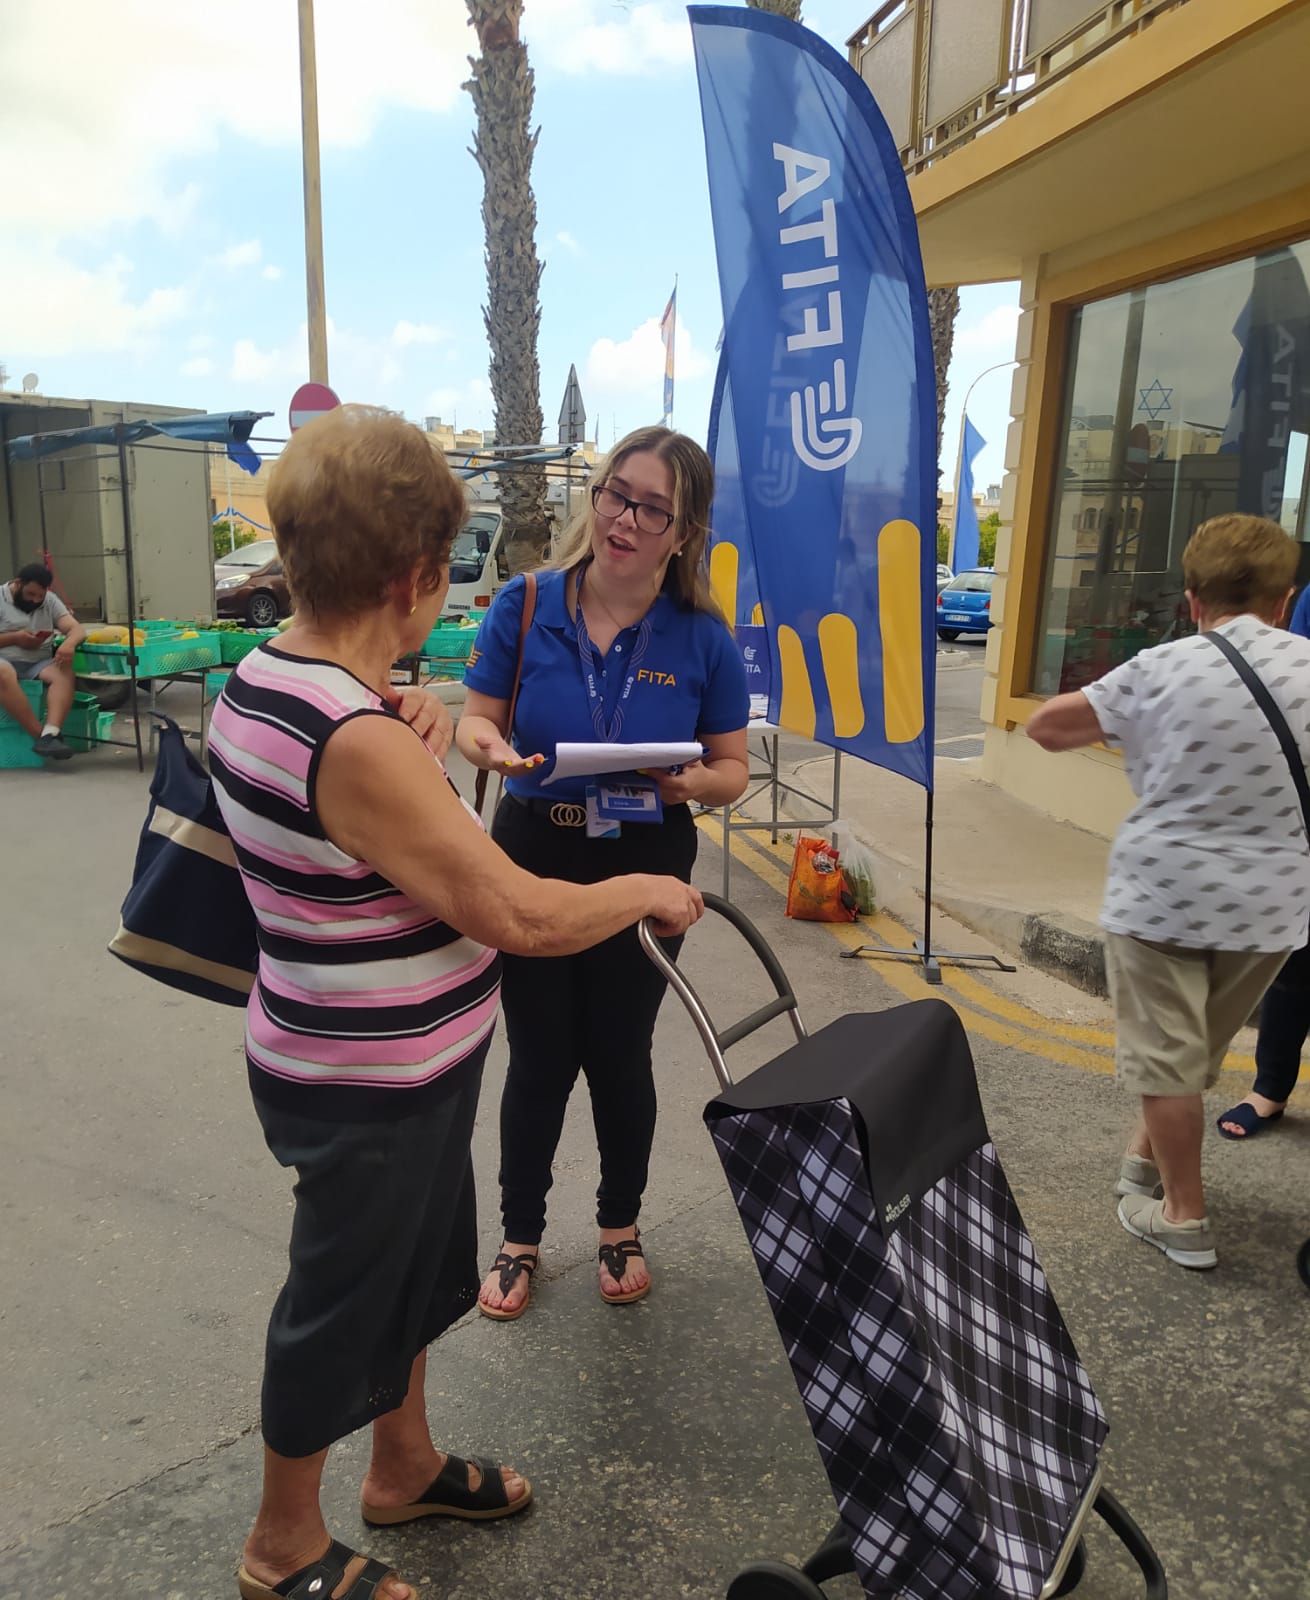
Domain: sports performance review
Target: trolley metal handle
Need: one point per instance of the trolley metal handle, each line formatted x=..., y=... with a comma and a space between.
x=714, y=1040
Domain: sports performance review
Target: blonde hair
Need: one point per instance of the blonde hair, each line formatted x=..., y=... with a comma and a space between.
x=1236, y=563
x=358, y=499
x=688, y=575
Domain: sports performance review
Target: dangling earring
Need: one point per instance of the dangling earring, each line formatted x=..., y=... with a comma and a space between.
x=413, y=608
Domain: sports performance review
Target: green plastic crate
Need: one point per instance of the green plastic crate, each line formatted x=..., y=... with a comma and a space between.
x=87, y=725
x=450, y=644
x=35, y=693
x=233, y=646
x=16, y=747
x=158, y=656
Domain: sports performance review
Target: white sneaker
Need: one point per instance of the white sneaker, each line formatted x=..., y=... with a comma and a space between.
x=1187, y=1244
x=1137, y=1175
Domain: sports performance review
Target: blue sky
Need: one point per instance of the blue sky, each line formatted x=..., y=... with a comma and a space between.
x=153, y=248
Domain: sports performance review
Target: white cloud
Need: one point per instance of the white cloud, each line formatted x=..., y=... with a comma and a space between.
x=69, y=308
x=252, y=364
x=565, y=238
x=196, y=367
x=577, y=36
x=121, y=99
x=200, y=341
x=993, y=332
x=271, y=272
x=405, y=334
x=364, y=367
x=237, y=256
x=635, y=365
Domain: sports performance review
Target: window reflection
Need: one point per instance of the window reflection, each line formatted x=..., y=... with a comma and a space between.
x=1185, y=400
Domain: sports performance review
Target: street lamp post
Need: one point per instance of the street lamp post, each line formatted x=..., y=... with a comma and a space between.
x=959, y=460
x=316, y=303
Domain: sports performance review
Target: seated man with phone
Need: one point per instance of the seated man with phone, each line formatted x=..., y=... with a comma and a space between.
x=30, y=613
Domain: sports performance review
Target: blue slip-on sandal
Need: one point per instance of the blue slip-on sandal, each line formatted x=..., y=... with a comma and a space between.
x=1248, y=1118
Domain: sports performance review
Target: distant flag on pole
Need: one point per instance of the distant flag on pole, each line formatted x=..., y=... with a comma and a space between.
x=964, y=546
x=668, y=326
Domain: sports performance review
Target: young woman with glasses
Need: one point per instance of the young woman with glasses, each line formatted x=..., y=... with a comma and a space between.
x=626, y=644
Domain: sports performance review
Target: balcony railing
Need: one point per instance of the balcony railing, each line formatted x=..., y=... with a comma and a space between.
x=942, y=71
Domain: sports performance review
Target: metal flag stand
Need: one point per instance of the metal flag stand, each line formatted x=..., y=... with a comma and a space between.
x=922, y=952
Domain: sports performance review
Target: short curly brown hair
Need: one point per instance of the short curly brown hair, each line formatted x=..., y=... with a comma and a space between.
x=1237, y=562
x=359, y=499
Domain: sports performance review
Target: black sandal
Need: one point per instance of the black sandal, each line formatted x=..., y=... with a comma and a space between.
x=449, y=1495
x=510, y=1267
x=321, y=1578
x=614, y=1259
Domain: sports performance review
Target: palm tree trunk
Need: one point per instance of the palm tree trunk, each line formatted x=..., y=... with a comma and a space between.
x=502, y=91
x=943, y=308
x=780, y=8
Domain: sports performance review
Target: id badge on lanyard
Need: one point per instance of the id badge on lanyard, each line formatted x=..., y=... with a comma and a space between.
x=609, y=804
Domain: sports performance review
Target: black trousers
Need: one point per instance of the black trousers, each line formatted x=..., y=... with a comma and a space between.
x=1284, y=1024
x=592, y=1013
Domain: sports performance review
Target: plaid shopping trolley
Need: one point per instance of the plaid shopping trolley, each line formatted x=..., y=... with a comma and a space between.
x=958, y=1428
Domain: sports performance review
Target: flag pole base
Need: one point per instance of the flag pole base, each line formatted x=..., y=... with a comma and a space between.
x=928, y=960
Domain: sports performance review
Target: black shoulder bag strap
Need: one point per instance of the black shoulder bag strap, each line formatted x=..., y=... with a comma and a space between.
x=1277, y=721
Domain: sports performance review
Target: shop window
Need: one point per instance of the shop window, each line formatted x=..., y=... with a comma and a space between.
x=1184, y=400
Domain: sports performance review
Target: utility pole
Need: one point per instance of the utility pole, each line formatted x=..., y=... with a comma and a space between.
x=315, y=300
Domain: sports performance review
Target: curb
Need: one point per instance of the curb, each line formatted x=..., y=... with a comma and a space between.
x=1067, y=947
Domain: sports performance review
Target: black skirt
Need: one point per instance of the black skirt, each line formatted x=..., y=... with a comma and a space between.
x=383, y=1260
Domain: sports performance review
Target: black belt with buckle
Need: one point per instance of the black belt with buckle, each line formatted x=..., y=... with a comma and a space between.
x=563, y=813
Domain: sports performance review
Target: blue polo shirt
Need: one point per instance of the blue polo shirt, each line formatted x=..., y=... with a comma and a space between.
x=691, y=681
x=1300, y=622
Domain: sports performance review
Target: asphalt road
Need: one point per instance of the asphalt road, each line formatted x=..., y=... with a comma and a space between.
x=145, y=1233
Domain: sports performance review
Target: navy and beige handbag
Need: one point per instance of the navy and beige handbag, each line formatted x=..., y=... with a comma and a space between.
x=186, y=920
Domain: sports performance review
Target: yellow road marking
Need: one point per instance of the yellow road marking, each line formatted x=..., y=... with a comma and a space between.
x=1009, y=1022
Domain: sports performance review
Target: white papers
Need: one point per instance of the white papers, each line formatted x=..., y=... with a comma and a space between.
x=590, y=760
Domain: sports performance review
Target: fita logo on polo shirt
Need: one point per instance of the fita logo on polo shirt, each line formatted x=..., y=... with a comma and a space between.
x=664, y=680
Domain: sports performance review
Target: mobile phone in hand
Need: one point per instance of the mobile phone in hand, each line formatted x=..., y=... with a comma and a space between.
x=43, y=634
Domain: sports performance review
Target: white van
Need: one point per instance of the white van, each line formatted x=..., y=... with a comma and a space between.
x=478, y=565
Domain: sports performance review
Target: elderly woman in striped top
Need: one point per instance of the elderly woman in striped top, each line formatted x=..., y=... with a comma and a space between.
x=381, y=907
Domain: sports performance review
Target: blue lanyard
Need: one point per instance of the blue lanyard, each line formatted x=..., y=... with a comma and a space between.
x=607, y=734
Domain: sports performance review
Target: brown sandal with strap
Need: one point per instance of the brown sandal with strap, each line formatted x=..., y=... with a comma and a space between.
x=614, y=1259
x=510, y=1267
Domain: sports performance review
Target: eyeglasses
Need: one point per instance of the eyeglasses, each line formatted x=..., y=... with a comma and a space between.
x=650, y=519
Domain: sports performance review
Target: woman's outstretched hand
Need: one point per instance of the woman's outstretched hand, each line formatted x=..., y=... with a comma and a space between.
x=496, y=754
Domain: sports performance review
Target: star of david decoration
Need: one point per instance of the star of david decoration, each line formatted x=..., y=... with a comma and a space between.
x=1155, y=400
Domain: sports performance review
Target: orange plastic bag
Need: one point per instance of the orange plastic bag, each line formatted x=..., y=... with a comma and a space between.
x=816, y=890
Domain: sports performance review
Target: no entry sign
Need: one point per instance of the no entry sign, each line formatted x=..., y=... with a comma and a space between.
x=309, y=401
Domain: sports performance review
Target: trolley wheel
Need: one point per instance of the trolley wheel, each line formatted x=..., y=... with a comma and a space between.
x=773, y=1580
x=1073, y=1573
x=1303, y=1263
